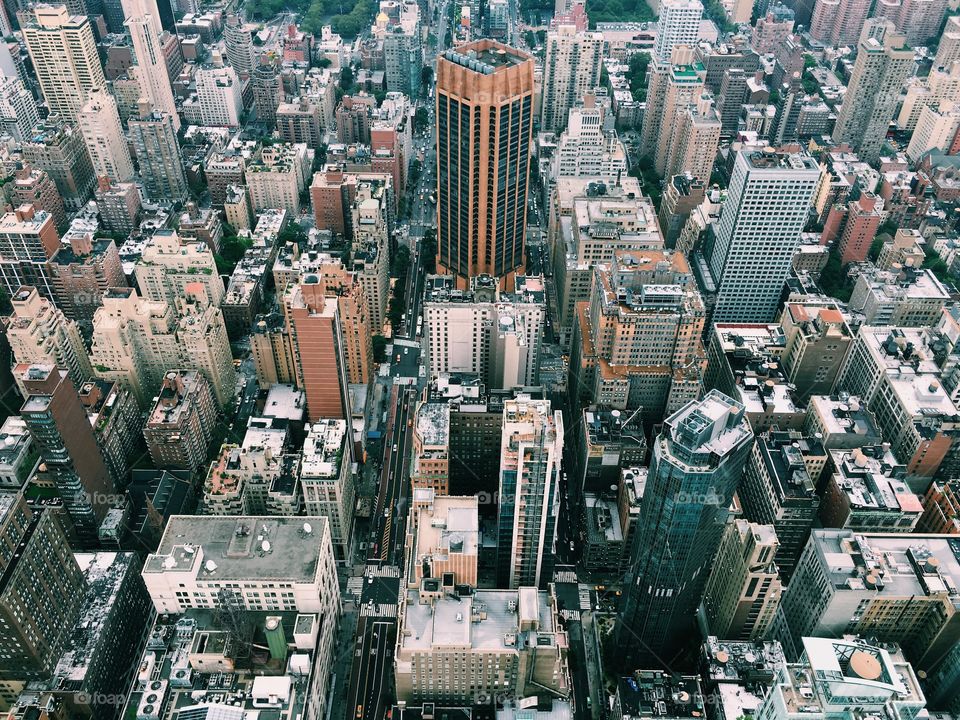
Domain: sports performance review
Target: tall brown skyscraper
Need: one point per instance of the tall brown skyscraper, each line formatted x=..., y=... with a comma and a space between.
x=57, y=420
x=484, y=131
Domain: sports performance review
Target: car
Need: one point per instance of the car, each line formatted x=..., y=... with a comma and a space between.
x=395, y=447
x=359, y=711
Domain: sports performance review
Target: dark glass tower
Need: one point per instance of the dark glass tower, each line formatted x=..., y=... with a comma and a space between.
x=697, y=461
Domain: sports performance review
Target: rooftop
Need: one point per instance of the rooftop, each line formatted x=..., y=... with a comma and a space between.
x=655, y=693
x=172, y=674
x=221, y=549
x=323, y=449
x=896, y=564
x=485, y=56
x=487, y=620
x=433, y=423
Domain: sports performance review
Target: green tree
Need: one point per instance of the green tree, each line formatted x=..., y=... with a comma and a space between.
x=379, y=343
x=421, y=119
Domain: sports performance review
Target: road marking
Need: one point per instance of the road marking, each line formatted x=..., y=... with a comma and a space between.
x=385, y=610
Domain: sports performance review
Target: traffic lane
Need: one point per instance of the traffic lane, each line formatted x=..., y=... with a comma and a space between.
x=381, y=645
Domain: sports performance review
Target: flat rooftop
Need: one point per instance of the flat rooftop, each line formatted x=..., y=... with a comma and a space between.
x=235, y=547
x=485, y=56
x=449, y=620
x=904, y=559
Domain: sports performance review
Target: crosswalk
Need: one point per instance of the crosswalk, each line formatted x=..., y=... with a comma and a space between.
x=384, y=610
x=565, y=576
x=584, y=596
x=570, y=615
x=384, y=571
x=355, y=586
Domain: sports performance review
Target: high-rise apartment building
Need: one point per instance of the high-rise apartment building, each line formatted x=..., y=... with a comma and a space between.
x=268, y=92
x=838, y=22
x=144, y=25
x=675, y=84
x=530, y=454
x=697, y=462
x=494, y=335
x=154, y=136
x=636, y=343
x=65, y=60
x=181, y=422
x=40, y=334
x=34, y=622
x=485, y=95
x=72, y=459
x=28, y=239
x=277, y=177
x=218, y=92
x=817, y=342
x=58, y=148
x=941, y=85
x=918, y=20
x=570, y=71
x=99, y=124
x=855, y=226
x=34, y=186
x=884, y=62
x=327, y=482
x=894, y=587
x=752, y=246
x=452, y=648
x=18, y=109
x=678, y=24
x=695, y=136
x=743, y=592
x=119, y=205
x=371, y=223
x=135, y=341
x=398, y=27
x=779, y=489
x=171, y=268
x=329, y=333
x=238, y=44
x=587, y=148
x=948, y=51
x=936, y=129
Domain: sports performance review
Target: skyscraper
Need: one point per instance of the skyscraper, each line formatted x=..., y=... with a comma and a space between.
x=154, y=138
x=484, y=129
x=838, y=22
x=679, y=24
x=752, y=246
x=697, y=461
x=64, y=55
x=73, y=461
x=143, y=22
x=883, y=64
x=35, y=622
x=531, y=449
x=100, y=126
x=571, y=70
